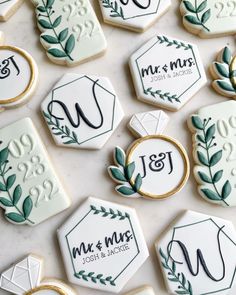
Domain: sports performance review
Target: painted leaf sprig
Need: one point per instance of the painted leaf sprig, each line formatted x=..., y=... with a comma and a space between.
x=109, y=213
x=198, y=13
x=183, y=285
x=115, y=10
x=62, y=131
x=94, y=278
x=223, y=70
x=206, y=141
x=123, y=173
x=10, y=195
x=165, y=96
x=177, y=44
x=65, y=42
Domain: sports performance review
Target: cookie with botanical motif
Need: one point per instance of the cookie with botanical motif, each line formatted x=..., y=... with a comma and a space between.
x=134, y=15
x=70, y=31
x=214, y=152
x=8, y=8
x=223, y=71
x=155, y=166
x=107, y=255
x=82, y=111
x=30, y=191
x=209, y=18
x=18, y=76
x=25, y=278
x=197, y=255
x=167, y=72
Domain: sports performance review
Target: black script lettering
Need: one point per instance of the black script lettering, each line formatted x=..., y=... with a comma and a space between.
x=5, y=69
x=118, y=238
x=82, y=249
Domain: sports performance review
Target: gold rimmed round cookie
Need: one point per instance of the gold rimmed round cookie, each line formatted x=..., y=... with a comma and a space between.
x=47, y=290
x=155, y=166
x=18, y=76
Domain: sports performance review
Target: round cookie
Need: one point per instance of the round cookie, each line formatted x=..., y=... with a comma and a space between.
x=18, y=76
x=155, y=166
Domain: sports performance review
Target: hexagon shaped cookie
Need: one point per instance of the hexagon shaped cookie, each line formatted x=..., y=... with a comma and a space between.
x=197, y=254
x=135, y=15
x=8, y=8
x=82, y=111
x=102, y=245
x=167, y=72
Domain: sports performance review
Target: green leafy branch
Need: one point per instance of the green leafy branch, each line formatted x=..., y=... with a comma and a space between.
x=205, y=137
x=122, y=173
x=46, y=11
x=184, y=286
x=63, y=131
x=11, y=199
x=95, y=278
x=163, y=96
x=111, y=213
x=196, y=9
x=224, y=71
x=116, y=11
x=177, y=44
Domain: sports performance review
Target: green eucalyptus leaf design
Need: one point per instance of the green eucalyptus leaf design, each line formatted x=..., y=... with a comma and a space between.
x=222, y=70
x=205, y=141
x=10, y=194
x=197, y=13
x=65, y=44
x=62, y=131
x=183, y=286
x=227, y=55
x=91, y=276
x=123, y=174
x=109, y=213
x=226, y=86
x=114, y=8
x=177, y=44
x=165, y=96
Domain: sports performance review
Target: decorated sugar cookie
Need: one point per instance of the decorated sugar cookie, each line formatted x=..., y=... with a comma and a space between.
x=214, y=152
x=82, y=111
x=155, y=166
x=135, y=15
x=167, y=72
x=209, y=18
x=30, y=191
x=25, y=278
x=144, y=290
x=107, y=255
x=197, y=254
x=8, y=8
x=71, y=33
x=223, y=71
x=18, y=76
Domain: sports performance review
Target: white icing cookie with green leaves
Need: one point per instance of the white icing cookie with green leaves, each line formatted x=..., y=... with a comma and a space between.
x=134, y=15
x=30, y=191
x=155, y=166
x=82, y=111
x=8, y=8
x=106, y=256
x=71, y=32
x=197, y=255
x=18, y=76
x=223, y=71
x=25, y=278
x=167, y=72
x=209, y=18
x=214, y=141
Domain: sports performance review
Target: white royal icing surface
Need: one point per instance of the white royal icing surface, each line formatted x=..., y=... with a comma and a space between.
x=34, y=192
x=26, y=275
x=114, y=239
x=82, y=111
x=215, y=161
x=133, y=14
x=8, y=8
x=209, y=18
x=197, y=254
x=18, y=76
x=72, y=33
x=167, y=72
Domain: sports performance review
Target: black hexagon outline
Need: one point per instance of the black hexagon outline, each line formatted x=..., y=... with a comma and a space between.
x=145, y=14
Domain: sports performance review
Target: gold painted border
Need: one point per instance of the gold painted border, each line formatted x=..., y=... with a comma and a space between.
x=32, y=78
x=184, y=157
x=47, y=287
x=233, y=69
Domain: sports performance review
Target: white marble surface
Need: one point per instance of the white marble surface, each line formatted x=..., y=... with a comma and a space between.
x=84, y=172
